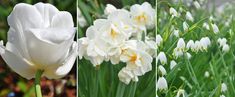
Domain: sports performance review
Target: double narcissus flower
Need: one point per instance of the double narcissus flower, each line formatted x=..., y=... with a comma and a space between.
x=40, y=38
x=115, y=39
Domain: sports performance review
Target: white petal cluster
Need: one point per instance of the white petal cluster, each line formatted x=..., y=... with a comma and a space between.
x=199, y=45
x=113, y=39
x=223, y=43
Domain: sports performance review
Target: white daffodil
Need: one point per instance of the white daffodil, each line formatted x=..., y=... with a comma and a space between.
x=126, y=75
x=215, y=28
x=162, y=70
x=109, y=9
x=224, y=87
x=172, y=64
x=40, y=38
x=185, y=26
x=206, y=26
x=162, y=58
x=225, y=48
x=173, y=12
x=143, y=15
x=162, y=84
x=189, y=16
x=196, y=4
x=81, y=19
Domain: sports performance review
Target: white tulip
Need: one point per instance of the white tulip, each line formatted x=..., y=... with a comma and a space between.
x=109, y=9
x=143, y=15
x=172, y=64
x=224, y=87
x=225, y=48
x=185, y=26
x=215, y=28
x=40, y=38
x=162, y=84
x=162, y=70
x=162, y=58
x=196, y=4
x=189, y=16
x=81, y=19
x=173, y=12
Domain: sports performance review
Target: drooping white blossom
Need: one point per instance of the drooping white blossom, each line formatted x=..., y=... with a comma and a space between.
x=162, y=84
x=162, y=58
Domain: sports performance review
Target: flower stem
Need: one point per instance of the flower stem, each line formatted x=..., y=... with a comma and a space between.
x=37, y=83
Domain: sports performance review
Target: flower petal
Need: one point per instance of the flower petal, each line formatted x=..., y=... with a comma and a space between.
x=62, y=20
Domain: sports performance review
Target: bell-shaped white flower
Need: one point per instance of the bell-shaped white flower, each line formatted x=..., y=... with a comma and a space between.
x=177, y=53
x=181, y=44
x=188, y=55
x=196, y=4
x=162, y=58
x=109, y=9
x=162, y=84
x=143, y=15
x=198, y=45
x=205, y=42
x=207, y=74
x=206, y=26
x=81, y=19
x=190, y=45
x=181, y=92
x=222, y=41
x=162, y=70
x=224, y=87
x=225, y=48
x=215, y=28
x=185, y=26
x=173, y=12
x=159, y=40
x=40, y=38
x=172, y=64
x=189, y=16
x=176, y=33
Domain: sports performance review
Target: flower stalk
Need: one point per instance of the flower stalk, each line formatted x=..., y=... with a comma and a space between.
x=38, y=75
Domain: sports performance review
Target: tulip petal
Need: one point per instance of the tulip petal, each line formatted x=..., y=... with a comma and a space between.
x=47, y=11
x=46, y=51
x=62, y=20
x=18, y=64
x=54, y=72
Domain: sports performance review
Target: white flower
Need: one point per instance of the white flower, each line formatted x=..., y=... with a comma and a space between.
x=40, y=38
x=125, y=75
x=180, y=92
x=207, y=74
x=159, y=40
x=222, y=41
x=177, y=53
x=222, y=95
x=188, y=55
x=181, y=44
x=215, y=28
x=109, y=9
x=205, y=42
x=162, y=57
x=162, y=70
x=172, y=64
x=223, y=87
x=162, y=84
x=198, y=45
x=143, y=15
x=173, y=12
x=206, y=26
x=190, y=45
x=196, y=4
x=151, y=47
x=176, y=33
x=185, y=26
x=80, y=19
x=189, y=16
x=225, y=48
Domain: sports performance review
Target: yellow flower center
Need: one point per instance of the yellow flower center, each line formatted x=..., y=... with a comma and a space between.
x=133, y=58
x=113, y=33
x=141, y=18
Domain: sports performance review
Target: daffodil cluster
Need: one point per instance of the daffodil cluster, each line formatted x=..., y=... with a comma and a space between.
x=121, y=37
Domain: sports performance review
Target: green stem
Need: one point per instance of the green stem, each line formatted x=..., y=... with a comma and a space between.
x=37, y=83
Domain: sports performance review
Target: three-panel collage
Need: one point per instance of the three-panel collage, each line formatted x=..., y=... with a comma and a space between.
x=117, y=48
